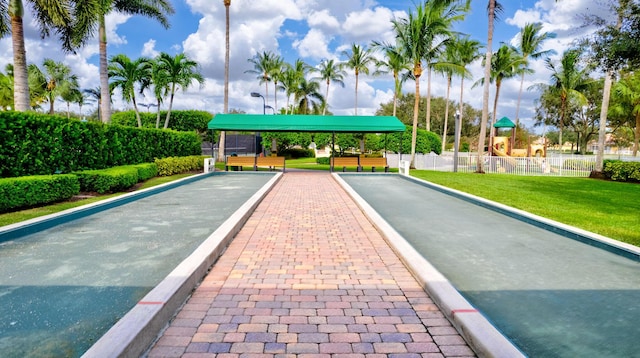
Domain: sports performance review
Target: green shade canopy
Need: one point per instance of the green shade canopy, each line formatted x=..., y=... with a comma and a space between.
x=306, y=123
x=504, y=122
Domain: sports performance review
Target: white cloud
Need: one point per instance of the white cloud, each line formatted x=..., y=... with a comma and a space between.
x=148, y=49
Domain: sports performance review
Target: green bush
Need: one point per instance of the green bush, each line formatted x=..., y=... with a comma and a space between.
x=27, y=191
x=323, y=160
x=108, y=180
x=426, y=142
x=173, y=165
x=184, y=121
x=146, y=171
x=622, y=171
x=37, y=144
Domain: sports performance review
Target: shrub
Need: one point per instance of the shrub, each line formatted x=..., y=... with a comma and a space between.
x=146, y=171
x=185, y=121
x=174, y=165
x=323, y=160
x=108, y=180
x=27, y=191
x=622, y=171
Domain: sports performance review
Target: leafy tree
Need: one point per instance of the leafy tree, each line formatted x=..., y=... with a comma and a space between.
x=6, y=88
x=126, y=75
x=328, y=71
x=54, y=80
x=358, y=59
x=308, y=97
x=627, y=93
x=292, y=78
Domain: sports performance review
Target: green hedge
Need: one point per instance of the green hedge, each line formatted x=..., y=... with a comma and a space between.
x=171, y=165
x=37, y=144
x=185, y=121
x=23, y=192
x=622, y=171
x=108, y=180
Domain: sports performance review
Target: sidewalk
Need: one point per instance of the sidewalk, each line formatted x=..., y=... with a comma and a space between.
x=309, y=276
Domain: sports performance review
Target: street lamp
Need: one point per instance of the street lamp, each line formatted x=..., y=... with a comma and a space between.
x=264, y=103
x=456, y=141
x=271, y=108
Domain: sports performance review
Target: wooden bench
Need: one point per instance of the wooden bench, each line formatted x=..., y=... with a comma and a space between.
x=345, y=162
x=271, y=162
x=374, y=163
x=240, y=162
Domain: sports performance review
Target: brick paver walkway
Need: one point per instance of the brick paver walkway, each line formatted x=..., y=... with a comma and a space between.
x=309, y=276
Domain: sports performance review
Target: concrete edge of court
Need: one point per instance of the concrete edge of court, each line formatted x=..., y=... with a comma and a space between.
x=479, y=333
x=134, y=333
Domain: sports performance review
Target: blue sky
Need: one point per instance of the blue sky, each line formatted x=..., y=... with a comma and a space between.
x=308, y=29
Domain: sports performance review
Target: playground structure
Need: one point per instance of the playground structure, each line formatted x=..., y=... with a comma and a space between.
x=504, y=146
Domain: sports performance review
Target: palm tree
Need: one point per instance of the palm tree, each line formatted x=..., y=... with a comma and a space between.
x=397, y=64
x=276, y=73
x=530, y=40
x=95, y=94
x=126, y=75
x=330, y=70
x=291, y=78
x=568, y=81
x=358, y=59
x=70, y=93
x=448, y=11
x=6, y=88
x=308, y=97
x=53, y=81
x=180, y=72
x=263, y=67
x=467, y=52
x=493, y=9
x=449, y=67
x=505, y=63
x=415, y=35
x=90, y=14
x=628, y=93
x=49, y=15
x=159, y=79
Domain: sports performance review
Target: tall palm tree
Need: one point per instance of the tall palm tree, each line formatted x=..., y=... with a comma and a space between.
x=291, y=78
x=276, y=73
x=505, y=63
x=568, y=81
x=52, y=15
x=448, y=65
x=415, y=35
x=95, y=94
x=330, y=70
x=263, y=67
x=494, y=8
x=358, y=59
x=159, y=79
x=221, y=142
x=530, y=40
x=126, y=75
x=468, y=51
x=91, y=14
x=396, y=63
x=180, y=72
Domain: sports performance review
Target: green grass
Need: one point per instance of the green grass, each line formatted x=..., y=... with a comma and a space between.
x=22, y=215
x=604, y=207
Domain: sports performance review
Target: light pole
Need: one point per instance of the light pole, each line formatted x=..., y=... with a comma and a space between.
x=264, y=103
x=264, y=108
x=456, y=141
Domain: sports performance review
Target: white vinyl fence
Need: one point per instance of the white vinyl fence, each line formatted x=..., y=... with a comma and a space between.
x=561, y=165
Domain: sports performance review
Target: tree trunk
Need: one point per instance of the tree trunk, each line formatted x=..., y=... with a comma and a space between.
x=395, y=92
x=602, y=132
x=166, y=120
x=105, y=93
x=158, y=114
x=221, y=144
x=518, y=105
x=485, y=92
x=636, y=141
x=446, y=115
x=428, y=115
x=135, y=108
x=22, y=101
x=417, y=72
x=326, y=99
x=356, y=106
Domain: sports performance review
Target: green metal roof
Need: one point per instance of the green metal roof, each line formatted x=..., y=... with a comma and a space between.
x=504, y=122
x=306, y=123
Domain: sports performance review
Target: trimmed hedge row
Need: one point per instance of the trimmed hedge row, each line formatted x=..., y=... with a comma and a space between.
x=36, y=190
x=186, y=121
x=28, y=191
x=622, y=171
x=37, y=144
x=171, y=165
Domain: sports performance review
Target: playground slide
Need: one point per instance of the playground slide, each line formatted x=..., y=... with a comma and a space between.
x=510, y=162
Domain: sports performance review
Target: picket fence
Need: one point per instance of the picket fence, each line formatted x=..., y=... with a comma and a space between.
x=560, y=165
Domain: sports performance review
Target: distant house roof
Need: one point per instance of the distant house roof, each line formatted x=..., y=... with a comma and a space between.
x=306, y=123
x=504, y=122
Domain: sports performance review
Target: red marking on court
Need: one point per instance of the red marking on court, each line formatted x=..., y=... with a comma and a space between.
x=150, y=303
x=463, y=310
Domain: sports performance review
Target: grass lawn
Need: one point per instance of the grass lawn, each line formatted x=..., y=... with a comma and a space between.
x=17, y=216
x=608, y=208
